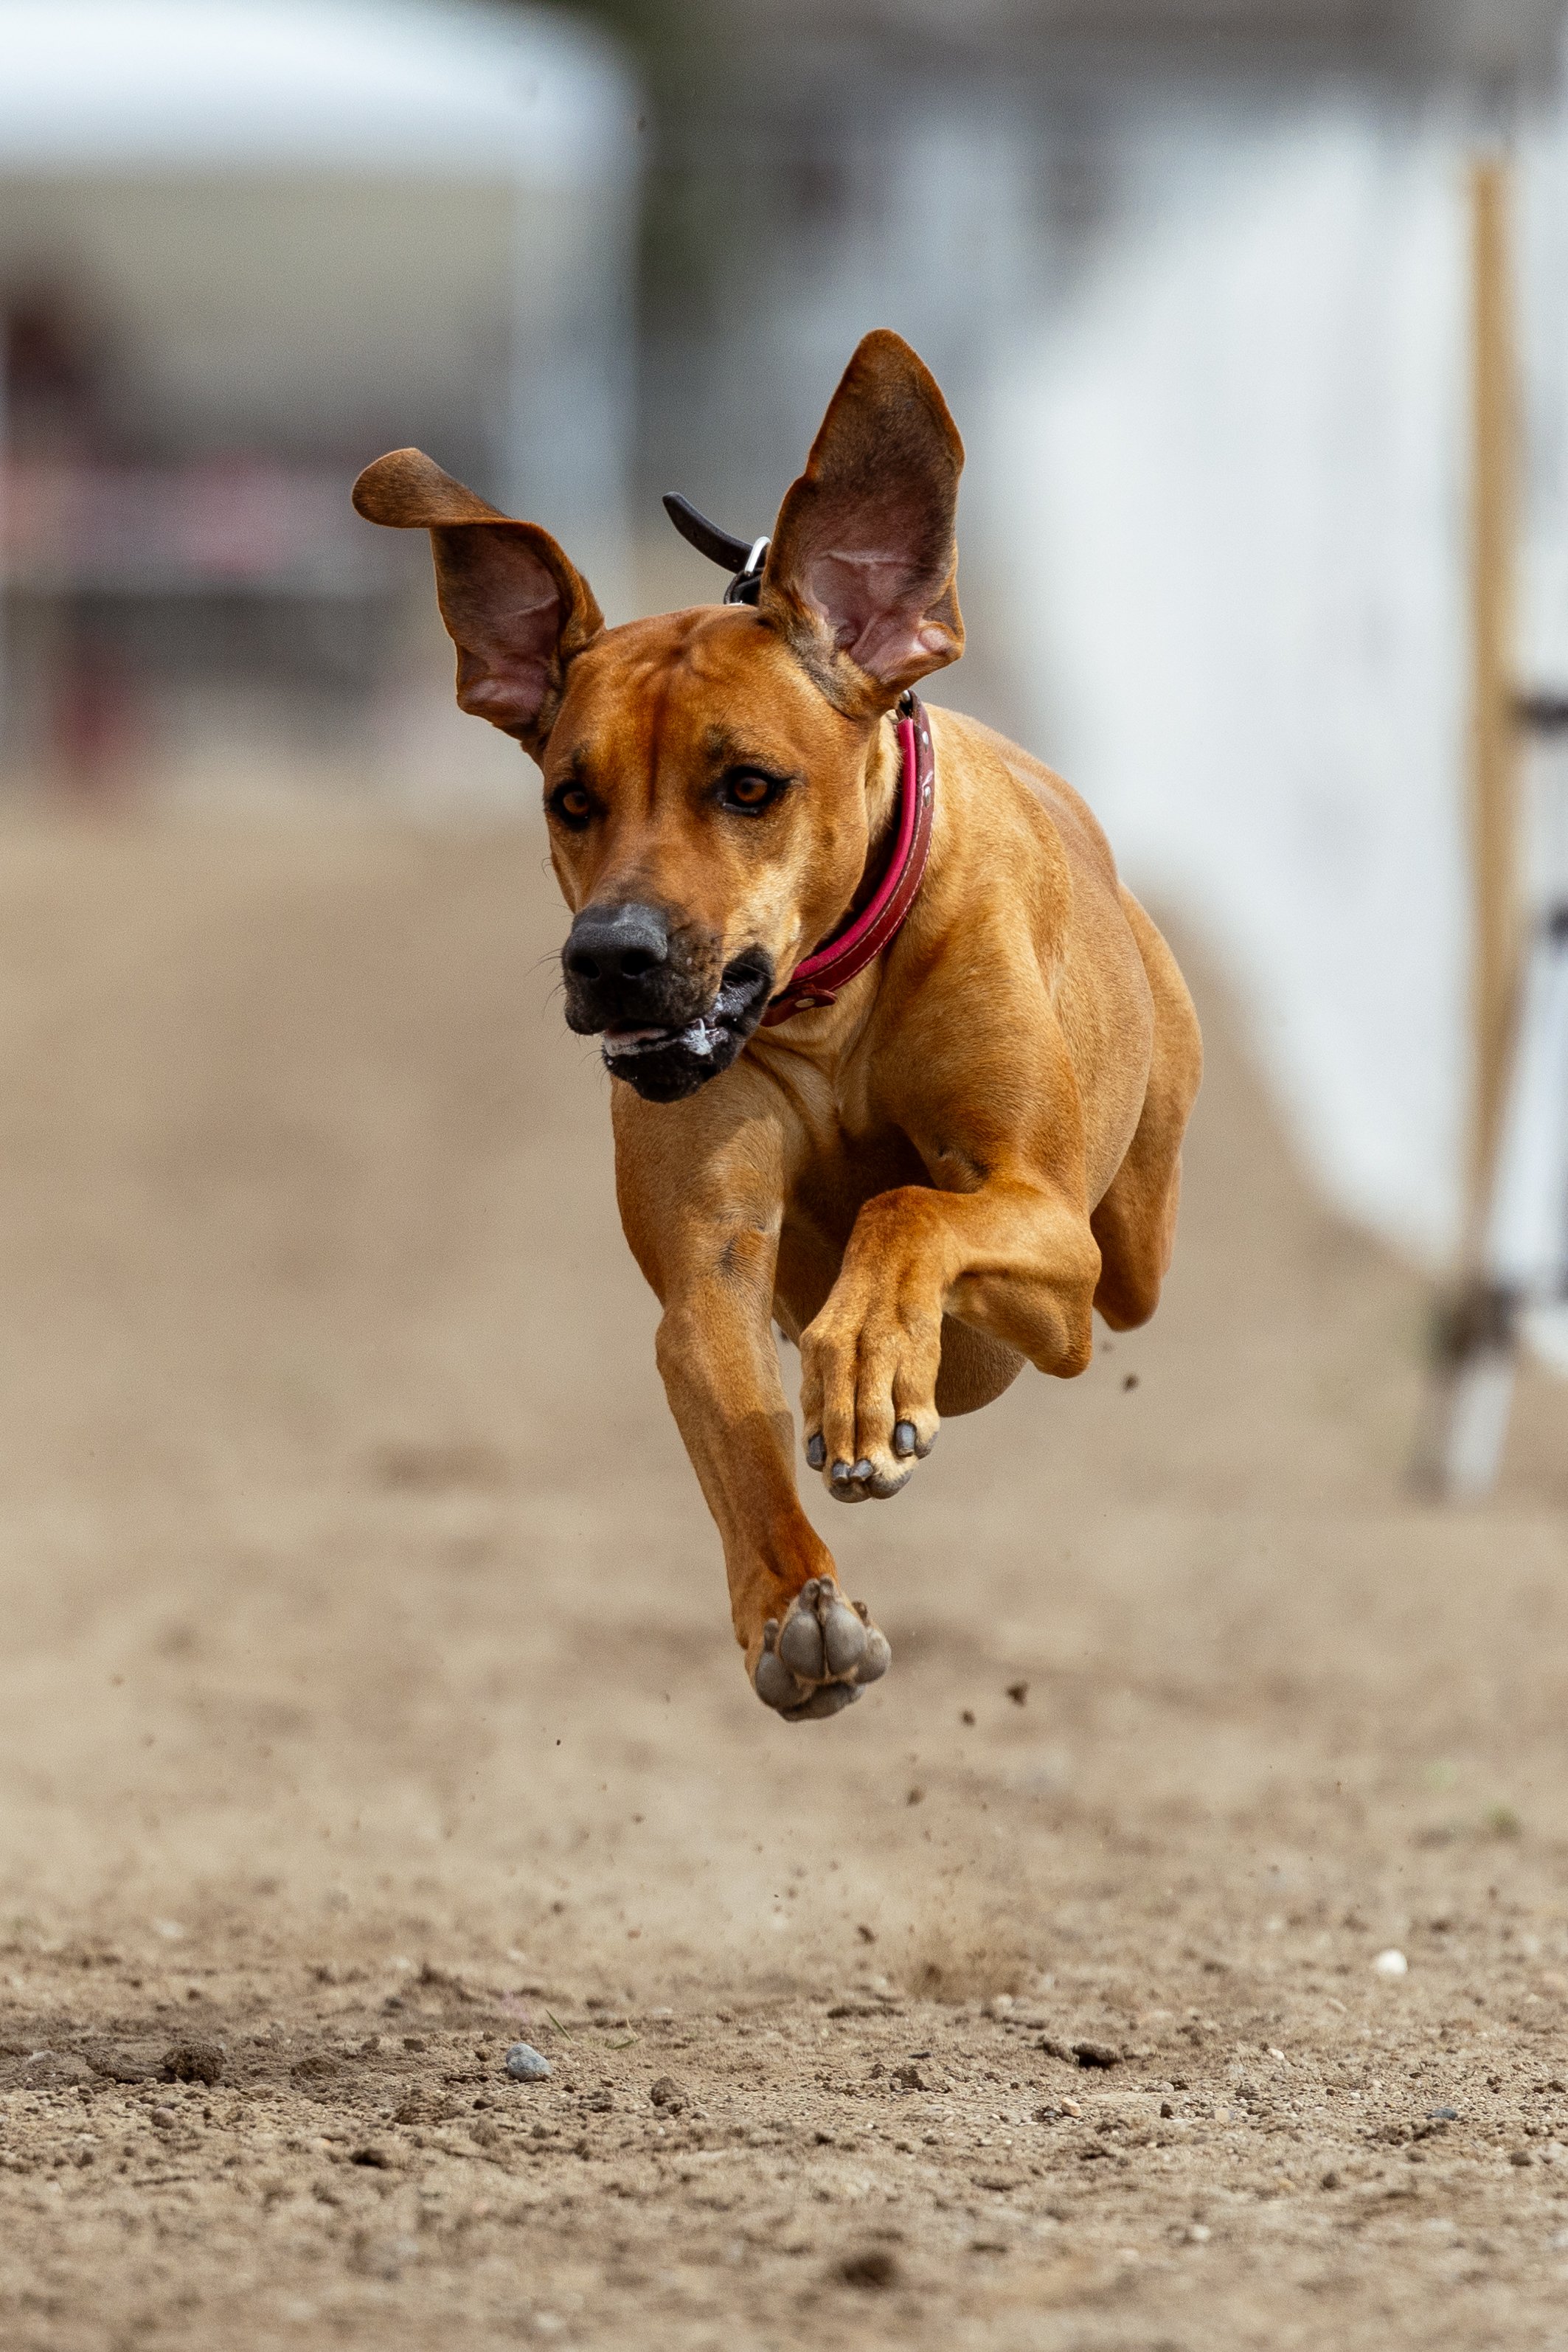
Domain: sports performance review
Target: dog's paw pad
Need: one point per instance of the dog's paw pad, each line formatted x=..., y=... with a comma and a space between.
x=821, y=1656
x=829, y=1698
x=801, y=1643
x=774, y=1682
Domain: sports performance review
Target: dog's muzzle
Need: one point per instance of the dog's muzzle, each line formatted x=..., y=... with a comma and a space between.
x=664, y=1029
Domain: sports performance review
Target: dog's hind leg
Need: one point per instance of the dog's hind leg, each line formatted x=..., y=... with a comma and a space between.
x=1136, y=1222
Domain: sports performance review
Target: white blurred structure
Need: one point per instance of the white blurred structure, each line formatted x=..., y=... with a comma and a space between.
x=283, y=236
x=1238, y=479
x=1195, y=280
x=304, y=215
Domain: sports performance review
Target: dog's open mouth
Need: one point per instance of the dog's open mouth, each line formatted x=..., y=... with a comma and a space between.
x=699, y=1037
x=666, y=1063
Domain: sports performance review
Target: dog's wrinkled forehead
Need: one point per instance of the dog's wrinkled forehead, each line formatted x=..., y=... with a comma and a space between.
x=687, y=692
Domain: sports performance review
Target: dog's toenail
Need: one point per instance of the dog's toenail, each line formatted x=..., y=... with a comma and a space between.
x=816, y=1450
x=843, y=1638
x=842, y=1474
x=831, y=1699
x=861, y=1471
x=775, y=1685
x=770, y=1634
x=877, y=1657
x=800, y=1647
x=808, y=1592
x=904, y=1438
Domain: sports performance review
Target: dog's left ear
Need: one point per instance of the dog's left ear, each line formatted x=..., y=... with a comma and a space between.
x=861, y=572
x=516, y=607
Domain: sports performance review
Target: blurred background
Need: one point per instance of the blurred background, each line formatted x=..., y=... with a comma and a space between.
x=1196, y=276
x=365, y=1653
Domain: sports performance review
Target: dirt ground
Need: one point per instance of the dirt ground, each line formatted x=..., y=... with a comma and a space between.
x=367, y=1702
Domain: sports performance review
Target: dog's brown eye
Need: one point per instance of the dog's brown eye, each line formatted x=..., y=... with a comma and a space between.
x=749, y=791
x=572, y=804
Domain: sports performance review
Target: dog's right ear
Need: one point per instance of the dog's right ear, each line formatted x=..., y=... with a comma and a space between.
x=516, y=608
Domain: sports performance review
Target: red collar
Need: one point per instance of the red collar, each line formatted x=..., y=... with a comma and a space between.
x=818, y=978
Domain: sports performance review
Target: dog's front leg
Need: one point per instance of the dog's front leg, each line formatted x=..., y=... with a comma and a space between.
x=1015, y=1259
x=701, y=1185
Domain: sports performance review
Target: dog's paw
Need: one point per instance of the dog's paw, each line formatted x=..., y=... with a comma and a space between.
x=868, y=1397
x=821, y=1656
x=875, y=1476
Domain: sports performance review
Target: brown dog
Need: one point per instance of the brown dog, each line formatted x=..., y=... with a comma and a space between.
x=933, y=1177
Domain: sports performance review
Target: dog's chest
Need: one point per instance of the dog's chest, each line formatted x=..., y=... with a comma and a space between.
x=840, y=1170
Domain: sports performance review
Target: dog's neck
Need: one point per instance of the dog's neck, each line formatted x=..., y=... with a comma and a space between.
x=883, y=777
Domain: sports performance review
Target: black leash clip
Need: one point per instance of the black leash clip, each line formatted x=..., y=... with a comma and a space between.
x=745, y=564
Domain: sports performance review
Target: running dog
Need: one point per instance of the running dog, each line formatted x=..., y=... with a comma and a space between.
x=897, y=1062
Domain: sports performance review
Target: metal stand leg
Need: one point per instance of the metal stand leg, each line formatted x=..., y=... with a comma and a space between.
x=1525, y=1248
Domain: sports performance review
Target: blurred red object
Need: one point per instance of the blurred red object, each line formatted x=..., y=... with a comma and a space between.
x=235, y=522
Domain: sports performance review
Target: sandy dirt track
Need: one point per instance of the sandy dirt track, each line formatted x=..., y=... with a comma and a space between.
x=367, y=1700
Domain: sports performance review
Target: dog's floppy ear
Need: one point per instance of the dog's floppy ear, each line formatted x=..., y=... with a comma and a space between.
x=515, y=607
x=861, y=572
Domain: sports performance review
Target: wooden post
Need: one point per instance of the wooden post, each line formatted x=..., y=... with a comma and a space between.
x=1465, y=1424
x=1494, y=730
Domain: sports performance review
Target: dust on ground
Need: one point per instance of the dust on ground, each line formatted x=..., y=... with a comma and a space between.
x=367, y=1702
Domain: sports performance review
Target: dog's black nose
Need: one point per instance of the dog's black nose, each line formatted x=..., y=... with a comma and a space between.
x=611, y=943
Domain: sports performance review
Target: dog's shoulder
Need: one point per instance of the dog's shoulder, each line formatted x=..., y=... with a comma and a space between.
x=1002, y=797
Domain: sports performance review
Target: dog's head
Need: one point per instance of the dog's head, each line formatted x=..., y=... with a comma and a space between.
x=707, y=774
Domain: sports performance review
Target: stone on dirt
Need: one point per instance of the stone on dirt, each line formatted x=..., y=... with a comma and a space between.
x=525, y=2064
